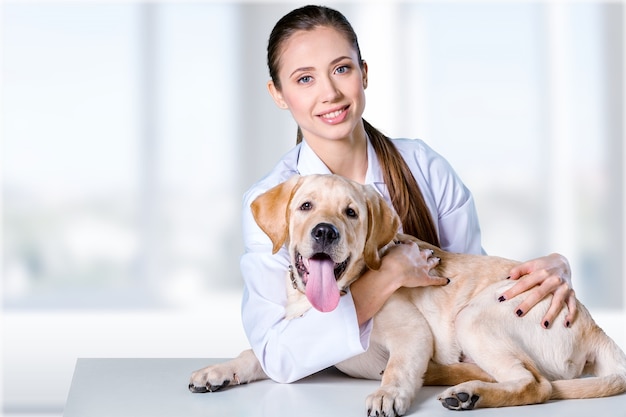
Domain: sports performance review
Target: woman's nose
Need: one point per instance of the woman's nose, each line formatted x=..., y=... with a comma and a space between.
x=330, y=92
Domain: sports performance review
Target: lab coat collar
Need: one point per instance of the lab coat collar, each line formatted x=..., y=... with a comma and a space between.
x=309, y=163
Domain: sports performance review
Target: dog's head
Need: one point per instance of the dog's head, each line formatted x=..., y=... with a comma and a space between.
x=333, y=228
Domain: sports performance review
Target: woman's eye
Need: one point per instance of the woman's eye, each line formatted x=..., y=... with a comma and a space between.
x=350, y=212
x=342, y=69
x=305, y=80
x=306, y=206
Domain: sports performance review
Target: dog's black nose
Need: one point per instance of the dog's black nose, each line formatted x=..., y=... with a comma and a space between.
x=325, y=234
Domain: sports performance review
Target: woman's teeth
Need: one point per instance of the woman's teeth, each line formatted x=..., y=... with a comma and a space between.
x=332, y=115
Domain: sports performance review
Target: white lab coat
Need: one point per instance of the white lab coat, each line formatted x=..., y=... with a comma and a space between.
x=292, y=349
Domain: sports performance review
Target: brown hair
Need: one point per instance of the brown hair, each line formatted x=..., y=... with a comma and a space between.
x=405, y=193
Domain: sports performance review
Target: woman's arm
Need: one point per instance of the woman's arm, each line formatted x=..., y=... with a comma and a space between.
x=289, y=350
x=404, y=265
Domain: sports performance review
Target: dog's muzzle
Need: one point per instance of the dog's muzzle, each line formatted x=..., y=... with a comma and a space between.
x=319, y=273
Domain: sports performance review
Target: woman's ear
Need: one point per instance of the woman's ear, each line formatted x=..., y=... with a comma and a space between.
x=276, y=95
x=364, y=71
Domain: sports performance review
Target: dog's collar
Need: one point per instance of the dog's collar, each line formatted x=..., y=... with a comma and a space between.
x=293, y=278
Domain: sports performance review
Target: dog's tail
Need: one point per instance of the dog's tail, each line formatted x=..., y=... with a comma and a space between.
x=591, y=387
x=606, y=371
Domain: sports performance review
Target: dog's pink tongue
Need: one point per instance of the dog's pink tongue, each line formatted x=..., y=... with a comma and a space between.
x=321, y=287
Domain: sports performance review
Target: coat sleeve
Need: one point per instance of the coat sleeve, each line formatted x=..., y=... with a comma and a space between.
x=289, y=350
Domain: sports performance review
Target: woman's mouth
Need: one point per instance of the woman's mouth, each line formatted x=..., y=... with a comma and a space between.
x=335, y=116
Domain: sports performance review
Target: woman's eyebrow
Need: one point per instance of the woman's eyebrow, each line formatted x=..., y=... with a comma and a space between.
x=301, y=69
x=333, y=62
x=341, y=58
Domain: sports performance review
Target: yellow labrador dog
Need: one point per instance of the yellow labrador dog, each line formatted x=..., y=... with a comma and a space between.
x=430, y=335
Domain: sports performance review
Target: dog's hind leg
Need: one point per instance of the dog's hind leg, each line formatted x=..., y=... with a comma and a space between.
x=455, y=373
x=241, y=370
x=493, y=343
x=518, y=383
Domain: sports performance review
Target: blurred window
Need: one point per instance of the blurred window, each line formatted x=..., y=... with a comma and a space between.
x=131, y=130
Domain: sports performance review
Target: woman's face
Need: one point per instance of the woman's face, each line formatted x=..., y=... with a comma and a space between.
x=322, y=84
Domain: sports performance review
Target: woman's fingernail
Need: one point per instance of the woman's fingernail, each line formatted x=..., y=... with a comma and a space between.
x=567, y=324
x=509, y=277
x=448, y=281
x=519, y=313
x=546, y=324
x=501, y=299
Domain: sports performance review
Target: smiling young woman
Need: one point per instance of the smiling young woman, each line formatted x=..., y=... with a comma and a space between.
x=318, y=74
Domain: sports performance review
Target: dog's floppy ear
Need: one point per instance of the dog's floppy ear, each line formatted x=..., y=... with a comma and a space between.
x=382, y=226
x=270, y=211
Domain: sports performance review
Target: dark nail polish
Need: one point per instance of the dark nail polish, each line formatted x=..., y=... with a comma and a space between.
x=509, y=277
x=519, y=313
x=448, y=281
x=567, y=324
x=546, y=324
x=501, y=299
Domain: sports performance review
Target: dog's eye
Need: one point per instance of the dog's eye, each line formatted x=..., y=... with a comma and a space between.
x=306, y=206
x=350, y=212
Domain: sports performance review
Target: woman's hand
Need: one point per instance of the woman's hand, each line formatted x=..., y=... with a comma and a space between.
x=542, y=276
x=411, y=266
x=404, y=265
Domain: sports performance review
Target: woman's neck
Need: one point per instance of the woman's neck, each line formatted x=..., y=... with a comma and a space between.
x=347, y=157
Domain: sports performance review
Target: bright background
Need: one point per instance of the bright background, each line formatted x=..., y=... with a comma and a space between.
x=130, y=131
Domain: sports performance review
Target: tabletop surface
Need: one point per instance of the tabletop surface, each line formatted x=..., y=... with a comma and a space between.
x=158, y=388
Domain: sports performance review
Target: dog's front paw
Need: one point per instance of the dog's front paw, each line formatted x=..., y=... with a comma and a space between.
x=388, y=402
x=210, y=379
x=458, y=400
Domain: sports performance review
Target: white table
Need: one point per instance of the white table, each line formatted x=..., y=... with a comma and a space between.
x=158, y=388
